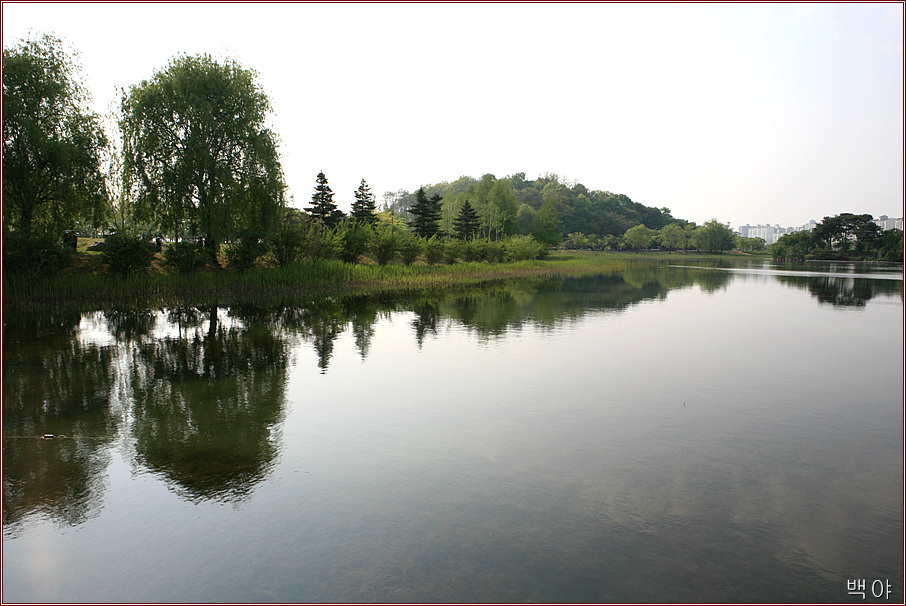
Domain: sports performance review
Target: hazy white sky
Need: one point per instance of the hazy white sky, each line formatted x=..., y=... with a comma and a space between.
x=748, y=113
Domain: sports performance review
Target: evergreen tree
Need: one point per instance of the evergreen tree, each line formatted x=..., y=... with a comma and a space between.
x=466, y=222
x=323, y=206
x=427, y=214
x=364, y=206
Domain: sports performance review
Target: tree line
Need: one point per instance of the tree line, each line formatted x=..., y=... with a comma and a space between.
x=192, y=161
x=843, y=236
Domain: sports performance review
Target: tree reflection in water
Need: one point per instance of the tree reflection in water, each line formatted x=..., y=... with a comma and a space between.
x=204, y=405
x=198, y=393
x=53, y=383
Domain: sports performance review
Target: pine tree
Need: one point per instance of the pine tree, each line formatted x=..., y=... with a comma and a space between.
x=466, y=222
x=427, y=214
x=364, y=205
x=323, y=206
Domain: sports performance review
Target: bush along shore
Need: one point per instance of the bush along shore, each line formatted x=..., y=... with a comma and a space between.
x=89, y=282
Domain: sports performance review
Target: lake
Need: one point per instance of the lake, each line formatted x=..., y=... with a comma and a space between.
x=674, y=431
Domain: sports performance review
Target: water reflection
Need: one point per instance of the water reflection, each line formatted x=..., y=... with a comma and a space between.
x=197, y=394
x=836, y=284
x=204, y=405
x=845, y=291
x=55, y=384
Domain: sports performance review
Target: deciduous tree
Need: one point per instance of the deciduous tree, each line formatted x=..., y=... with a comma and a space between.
x=714, y=235
x=52, y=145
x=546, y=225
x=674, y=236
x=198, y=153
x=638, y=237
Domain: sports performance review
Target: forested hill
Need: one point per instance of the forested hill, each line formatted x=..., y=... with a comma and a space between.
x=510, y=205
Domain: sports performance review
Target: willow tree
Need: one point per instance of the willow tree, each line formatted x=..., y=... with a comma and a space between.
x=52, y=144
x=197, y=154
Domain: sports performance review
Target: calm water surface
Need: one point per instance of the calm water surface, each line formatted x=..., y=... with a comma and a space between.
x=661, y=433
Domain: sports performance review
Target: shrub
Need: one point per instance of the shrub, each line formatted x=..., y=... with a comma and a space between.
x=288, y=241
x=496, y=252
x=24, y=254
x=475, y=250
x=523, y=248
x=410, y=248
x=300, y=236
x=352, y=238
x=126, y=254
x=452, y=251
x=384, y=245
x=242, y=255
x=186, y=257
x=434, y=250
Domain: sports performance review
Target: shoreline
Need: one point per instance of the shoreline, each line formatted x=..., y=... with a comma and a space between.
x=310, y=280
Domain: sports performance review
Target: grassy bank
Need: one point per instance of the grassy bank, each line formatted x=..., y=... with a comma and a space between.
x=313, y=278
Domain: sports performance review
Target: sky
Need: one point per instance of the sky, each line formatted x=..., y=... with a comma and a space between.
x=744, y=113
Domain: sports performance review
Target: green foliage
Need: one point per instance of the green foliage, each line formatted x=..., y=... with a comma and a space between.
x=506, y=206
x=495, y=204
x=364, y=206
x=890, y=245
x=127, y=254
x=475, y=250
x=352, y=238
x=546, y=225
x=29, y=254
x=497, y=252
x=452, y=251
x=52, y=145
x=674, y=236
x=611, y=242
x=750, y=244
x=525, y=215
x=500, y=216
x=866, y=232
x=523, y=248
x=426, y=214
x=323, y=206
x=410, y=247
x=384, y=244
x=288, y=240
x=638, y=237
x=712, y=236
x=243, y=255
x=434, y=250
x=579, y=241
x=842, y=232
x=197, y=155
x=466, y=224
x=186, y=257
x=299, y=236
x=835, y=236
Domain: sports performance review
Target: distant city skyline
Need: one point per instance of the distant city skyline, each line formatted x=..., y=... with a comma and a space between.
x=770, y=233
